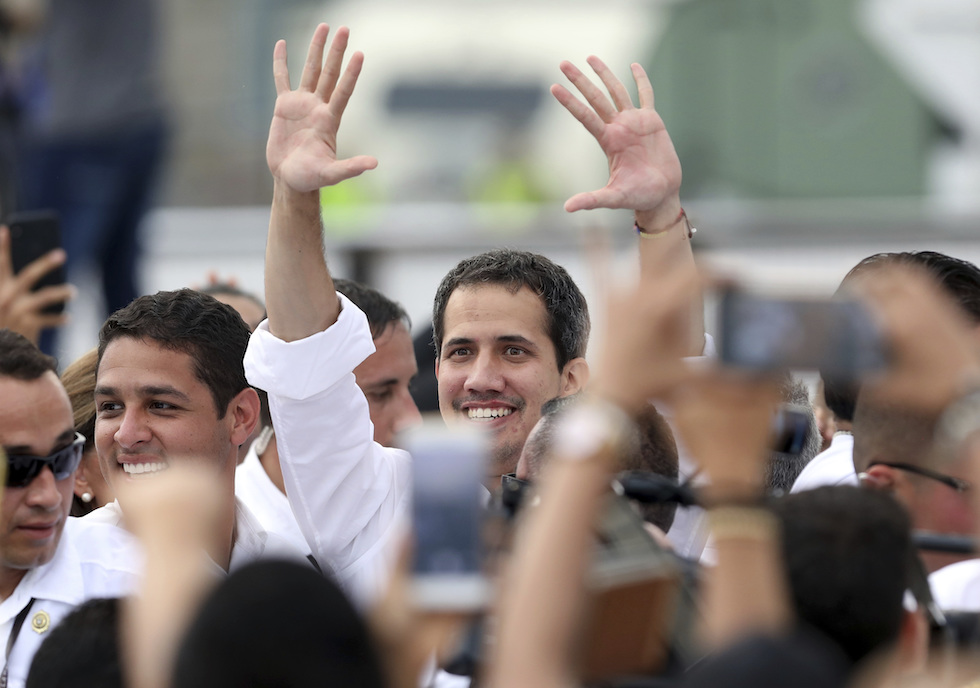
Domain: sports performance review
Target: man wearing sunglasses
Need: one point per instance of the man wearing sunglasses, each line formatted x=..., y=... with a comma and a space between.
x=48, y=563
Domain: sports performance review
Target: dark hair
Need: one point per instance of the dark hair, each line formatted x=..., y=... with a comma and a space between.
x=542, y=438
x=20, y=359
x=82, y=651
x=657, y=453
x=379, y=309
x=300, y=631
x=891, y=432
x=212, y=333
x=846, y=552
x=567, y=312
x=782, y=470
x=960, y=279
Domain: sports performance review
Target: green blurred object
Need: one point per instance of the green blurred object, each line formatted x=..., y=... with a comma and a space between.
x=786, y=99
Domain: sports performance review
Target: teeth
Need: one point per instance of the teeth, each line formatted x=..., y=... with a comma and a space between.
x=489, y=412
x=143, y=468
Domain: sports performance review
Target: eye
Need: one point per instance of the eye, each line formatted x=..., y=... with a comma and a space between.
x=458, y=352
x=106, y=408
x=381, y=396
x=162, y=406
x=514, y=351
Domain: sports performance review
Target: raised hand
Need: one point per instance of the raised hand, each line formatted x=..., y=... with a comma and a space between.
x=644, y=172
x=21, y=309
x=302, y=147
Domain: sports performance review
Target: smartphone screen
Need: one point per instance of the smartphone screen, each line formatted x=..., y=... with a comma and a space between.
x=32, y=235
x=839, y=338
x=448, y=515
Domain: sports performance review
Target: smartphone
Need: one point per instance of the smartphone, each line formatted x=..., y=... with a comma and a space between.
x=33, y=234
x=448, y=517
x=837, y=337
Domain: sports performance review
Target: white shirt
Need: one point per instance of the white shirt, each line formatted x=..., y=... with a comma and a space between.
x=832, y=466
x=957, y=587
x=350, y=495
x=268, y=504
x=252, y=541
x=92, y=560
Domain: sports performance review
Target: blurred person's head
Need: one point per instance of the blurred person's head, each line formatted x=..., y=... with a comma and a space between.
x=846, y=552
x=82, y=651
x=37, y=433
x=893, y=451
x=171, y=387
x=301, y=631
x=510, y=330
x=248, y=305
x=960, y=280
x=385, y=376
x=651, y=449
x=91, y=489
x=783, y=469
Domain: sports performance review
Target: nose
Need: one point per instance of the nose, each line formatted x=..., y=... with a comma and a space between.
x=132, y=429
x=43, y=491
x=407, y=414
x=485, y=375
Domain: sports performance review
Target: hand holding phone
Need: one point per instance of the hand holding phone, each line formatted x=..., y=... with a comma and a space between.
x=33, y=291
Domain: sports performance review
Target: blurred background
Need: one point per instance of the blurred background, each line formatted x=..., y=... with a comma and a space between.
x=812, y=134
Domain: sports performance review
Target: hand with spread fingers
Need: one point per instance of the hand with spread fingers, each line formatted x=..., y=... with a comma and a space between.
x=302, y=147
x=644, y=172
x=21, y=309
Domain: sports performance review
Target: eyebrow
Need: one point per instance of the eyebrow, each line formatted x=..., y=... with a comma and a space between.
x=60, y=443
x=504, y=338
x=146, y=391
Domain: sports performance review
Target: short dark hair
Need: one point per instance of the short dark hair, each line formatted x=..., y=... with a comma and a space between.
x=379, y=309
x=301, y=631
x=82, y=651
x=782, y=470
x=891, y=432
x=847, y=552
x=657, y=454
x=229, y=289
x=960, y=279
x=212, y=333
x=567, y=312
x=20, y=359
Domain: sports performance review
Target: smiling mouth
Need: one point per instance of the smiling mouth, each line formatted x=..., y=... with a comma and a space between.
x=488, y=413
x=143, y=468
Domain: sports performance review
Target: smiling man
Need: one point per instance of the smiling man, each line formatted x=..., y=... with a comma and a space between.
x=511, y=329
x=49, y=563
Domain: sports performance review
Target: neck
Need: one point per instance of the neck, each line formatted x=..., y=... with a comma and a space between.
x=270, y=462
x=844, y=425
x=9, y=580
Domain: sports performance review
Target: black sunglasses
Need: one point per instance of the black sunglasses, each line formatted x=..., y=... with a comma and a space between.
x=957, y=484
x=23, y=468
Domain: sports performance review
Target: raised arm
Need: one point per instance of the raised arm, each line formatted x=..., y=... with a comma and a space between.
x=644, y=173
x=302, y=156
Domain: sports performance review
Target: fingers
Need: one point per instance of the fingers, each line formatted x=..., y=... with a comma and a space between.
x=37, y=269
x=314, y=59
x=617, y=91
x=590, y=91
x=580, y=111
x=345, y=87
x=280, y=70
x=643, y=86
x=49, y=296
x=335, y=58
x=581, y=201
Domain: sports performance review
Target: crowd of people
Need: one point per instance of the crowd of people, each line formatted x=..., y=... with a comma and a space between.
x=226, y=504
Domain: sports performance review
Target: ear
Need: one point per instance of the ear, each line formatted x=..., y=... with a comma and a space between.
x=243, y=411
x=437, y=368
x=879, y=478
x=574, y=377
x=81, y=481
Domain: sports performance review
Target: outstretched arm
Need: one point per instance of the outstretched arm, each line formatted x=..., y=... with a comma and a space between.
x=644, y=172
x=302, y=156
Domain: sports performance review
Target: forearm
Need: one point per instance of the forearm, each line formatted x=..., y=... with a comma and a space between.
x=299, y=292
x=670, y=246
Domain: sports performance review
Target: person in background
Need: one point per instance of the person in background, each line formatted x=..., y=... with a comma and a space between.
x=91, y=489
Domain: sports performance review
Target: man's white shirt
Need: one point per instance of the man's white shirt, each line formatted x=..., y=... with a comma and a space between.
x=832, y=466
